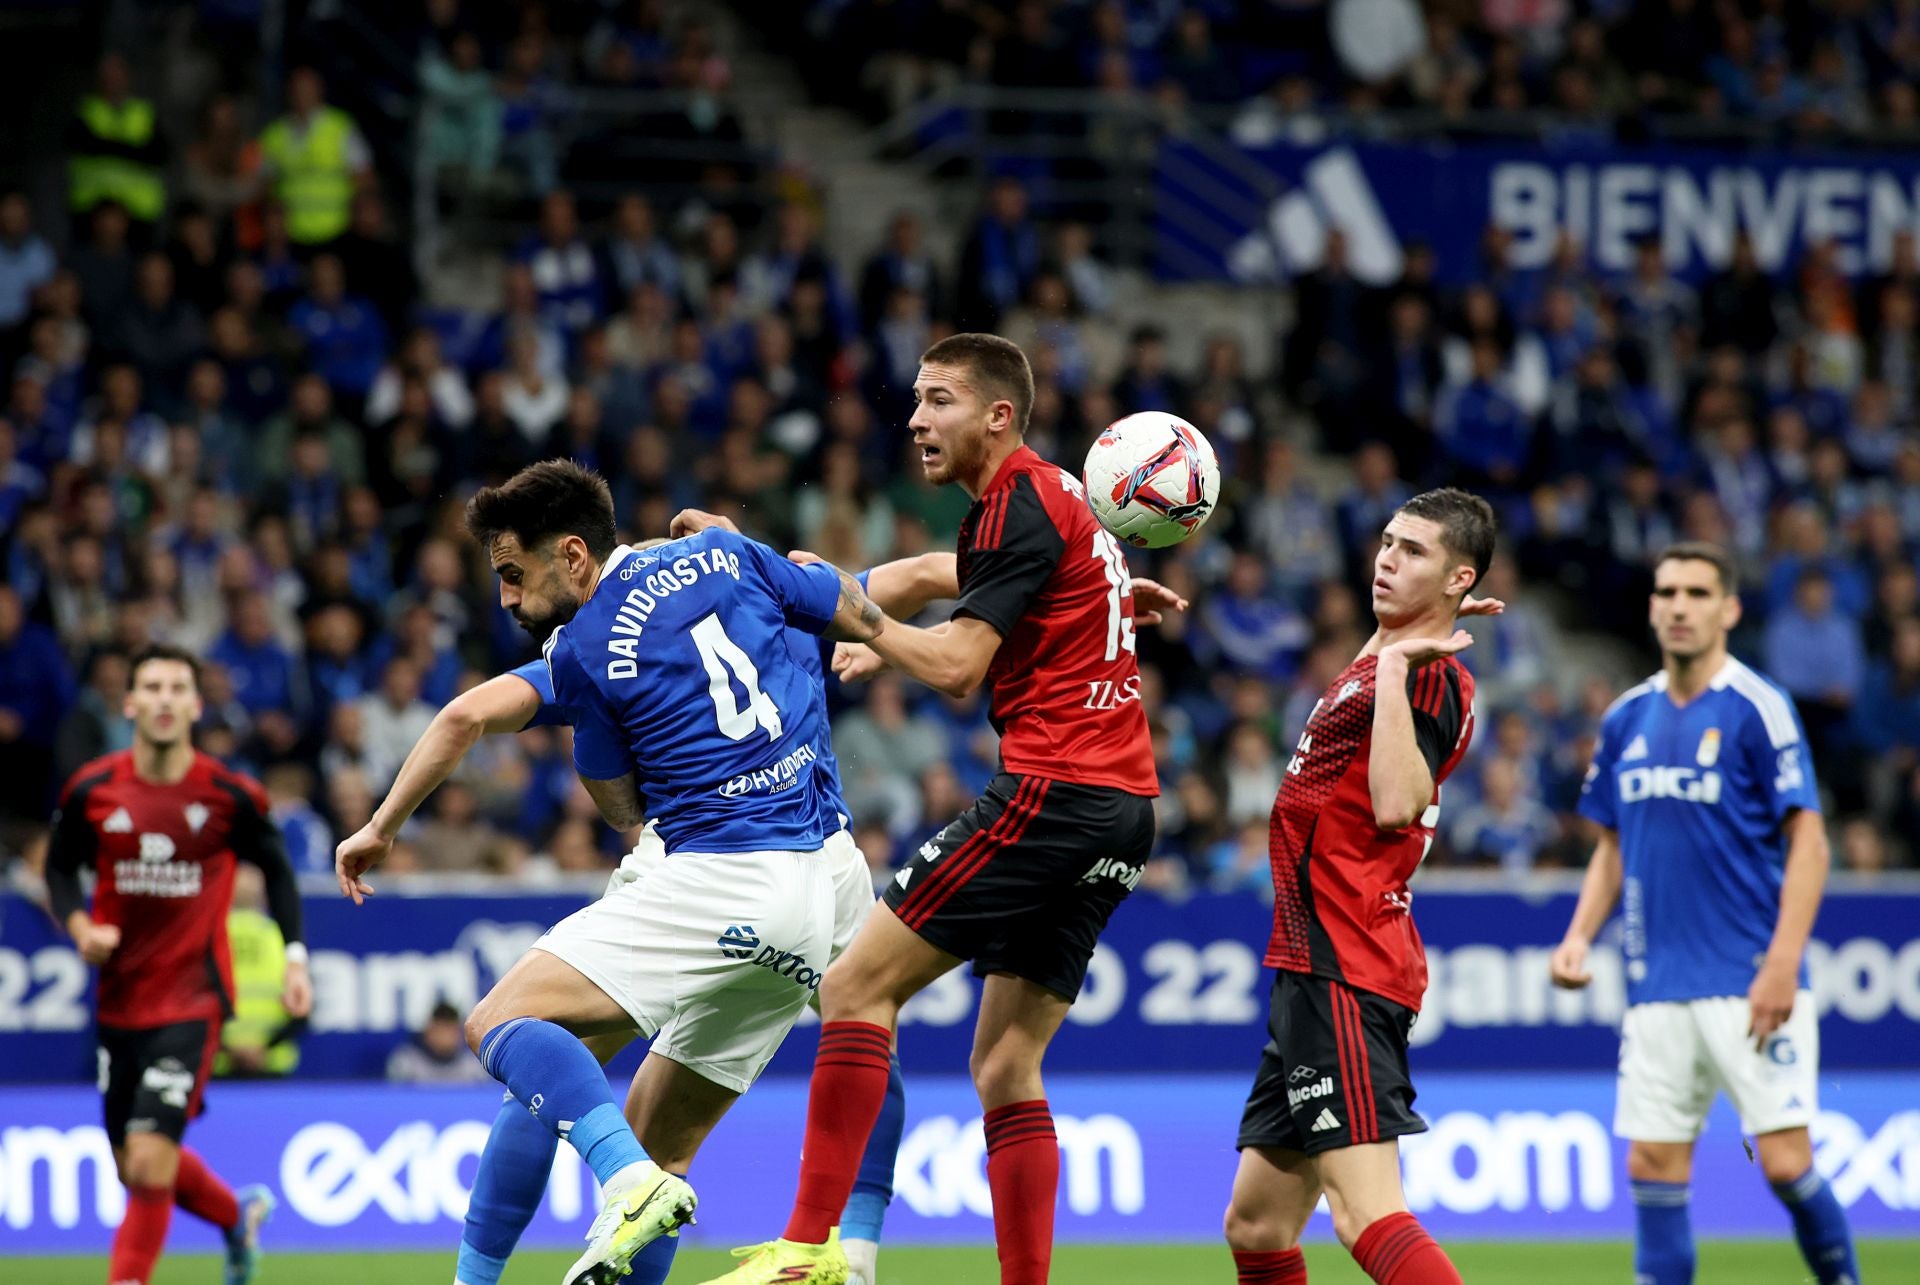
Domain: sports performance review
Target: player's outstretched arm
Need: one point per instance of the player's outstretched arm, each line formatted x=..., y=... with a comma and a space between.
x=1770, y=999
x=1398, y=778
x=856, y=617
x=1599, y=890
x=505, y=703
x=904, y=587
x=952, y=658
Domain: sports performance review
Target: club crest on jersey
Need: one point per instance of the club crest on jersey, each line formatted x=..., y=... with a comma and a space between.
x=196, y=816
x=1709, y=752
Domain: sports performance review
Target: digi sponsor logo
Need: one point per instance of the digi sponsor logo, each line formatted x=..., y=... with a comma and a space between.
x=1638, y=784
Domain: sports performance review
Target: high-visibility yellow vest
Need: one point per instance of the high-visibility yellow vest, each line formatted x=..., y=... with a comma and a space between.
x=259, y=973
x=311, y=176
x=93, y=179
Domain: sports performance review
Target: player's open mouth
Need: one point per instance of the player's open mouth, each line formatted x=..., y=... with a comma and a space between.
x=928, y=454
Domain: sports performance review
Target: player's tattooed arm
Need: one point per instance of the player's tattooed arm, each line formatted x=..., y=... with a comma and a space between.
x=856, y=617
x=618, y=801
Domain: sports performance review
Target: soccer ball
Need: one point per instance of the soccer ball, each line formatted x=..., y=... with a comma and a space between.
x=1152, y=479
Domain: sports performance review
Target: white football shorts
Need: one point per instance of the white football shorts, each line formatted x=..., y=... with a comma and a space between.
x=1675, y=1056
x=853, y=897
x=715, y=956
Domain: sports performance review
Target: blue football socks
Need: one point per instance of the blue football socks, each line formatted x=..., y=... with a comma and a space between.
x=1820, y=1225
x=565, y=1087
x=506, y=1191
x=1663, y=1234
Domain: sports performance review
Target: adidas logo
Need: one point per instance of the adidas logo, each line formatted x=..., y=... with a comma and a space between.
x=1325, y=1120
x=118, y=823
x=1331, y=191
x=1636, y=750
x=905, y=877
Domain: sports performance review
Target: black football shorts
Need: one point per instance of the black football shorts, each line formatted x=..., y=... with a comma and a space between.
x=1025, y=879
x=1334, y=1071
x=153, y=1077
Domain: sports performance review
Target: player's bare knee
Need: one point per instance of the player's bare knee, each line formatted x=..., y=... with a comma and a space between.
x=479, y=1022
x=1005, y=1073
x=1783, y=1159
x=1253, y=1228
x=152, y=1160
x=1659, y=1162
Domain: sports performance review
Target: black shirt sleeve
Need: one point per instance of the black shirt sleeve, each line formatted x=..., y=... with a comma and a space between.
x=1433, y=691
x=73, y=847
x=1014, y=548
x=256, y=839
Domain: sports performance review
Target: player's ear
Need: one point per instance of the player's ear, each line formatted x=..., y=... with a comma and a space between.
x=1730, y=612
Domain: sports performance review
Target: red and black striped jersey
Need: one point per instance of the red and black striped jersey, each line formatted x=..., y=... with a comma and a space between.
x=1341, y=906
x=1036, y=565
x=163, y=859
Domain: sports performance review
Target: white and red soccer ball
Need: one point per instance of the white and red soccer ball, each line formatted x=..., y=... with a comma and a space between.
x=1152, y=479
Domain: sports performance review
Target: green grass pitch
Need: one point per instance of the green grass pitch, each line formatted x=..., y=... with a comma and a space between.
x=1561, y=1263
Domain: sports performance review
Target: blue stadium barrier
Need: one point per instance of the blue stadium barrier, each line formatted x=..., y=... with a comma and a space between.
x=1143, y=1159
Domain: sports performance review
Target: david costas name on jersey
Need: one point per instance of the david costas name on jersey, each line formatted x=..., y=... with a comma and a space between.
x=630, y=619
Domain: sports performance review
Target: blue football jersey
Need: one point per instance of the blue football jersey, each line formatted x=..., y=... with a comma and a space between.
x=1698, y=796
x=550, y=713
x=678, y=669
x=812, y=653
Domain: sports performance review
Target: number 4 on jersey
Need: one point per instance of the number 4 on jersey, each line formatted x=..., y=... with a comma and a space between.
x=720, y=654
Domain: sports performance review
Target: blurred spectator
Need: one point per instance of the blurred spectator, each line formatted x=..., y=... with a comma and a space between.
x=1506, y=827
x=1814, y=651
x=309, y=840
x=315, y=159
x=36, y=686
x=438, y=1054
x=258, y=1038
x=903, y=263
x=222, y=169
x=393, y=719
x=376, y=265
x=419, y=358
x=884, y=749
x=457, y=838
x=636, y=254
x=460, y=114
x=310, y=413
x=344, y=337
x=26, y=263
x=96, y=723
x=115, y=151
x=566, y=273
x=1248, y=627
x=999, y=259
x=161, y=333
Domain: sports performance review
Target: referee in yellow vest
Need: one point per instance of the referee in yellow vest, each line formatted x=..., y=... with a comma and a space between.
x=315, y=159
x=115, y=152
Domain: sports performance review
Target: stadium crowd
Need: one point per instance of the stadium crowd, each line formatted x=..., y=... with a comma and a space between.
x=229, y=424
x=1800, y=68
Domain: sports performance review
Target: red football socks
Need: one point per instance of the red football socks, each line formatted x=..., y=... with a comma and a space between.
x=200, y=1191
x=1270, y=1266
x=1023, y=1173
x=1396, y=1250
x=142, y=1235
x=849, y=1085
